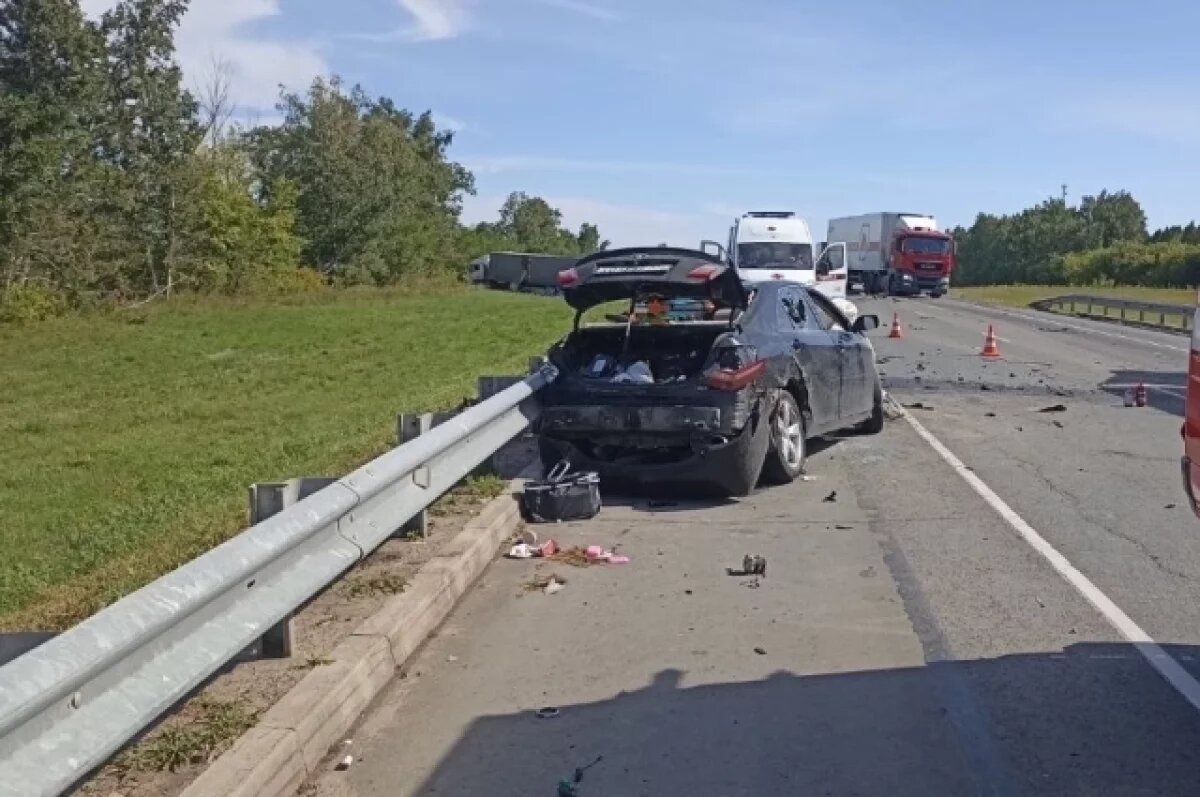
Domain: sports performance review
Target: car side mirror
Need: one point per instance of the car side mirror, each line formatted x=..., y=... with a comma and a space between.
x=865, y=323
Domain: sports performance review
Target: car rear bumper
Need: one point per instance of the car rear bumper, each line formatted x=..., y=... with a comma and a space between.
x=602, y=418
x=714, y=464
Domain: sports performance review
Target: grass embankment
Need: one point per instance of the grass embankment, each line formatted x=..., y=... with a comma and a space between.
x=128, y=440
x=1025, y=295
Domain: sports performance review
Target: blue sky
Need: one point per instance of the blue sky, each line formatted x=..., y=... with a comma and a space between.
x=662, y=119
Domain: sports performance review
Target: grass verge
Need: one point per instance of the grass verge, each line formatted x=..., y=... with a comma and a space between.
x=131, y=438
x=1024, y=295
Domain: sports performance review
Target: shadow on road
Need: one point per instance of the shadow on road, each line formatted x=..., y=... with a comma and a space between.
x=1094, y=720
x=1165, y=390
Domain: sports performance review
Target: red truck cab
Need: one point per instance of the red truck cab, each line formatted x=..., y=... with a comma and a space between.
x=1191, y=422
x=922, y=260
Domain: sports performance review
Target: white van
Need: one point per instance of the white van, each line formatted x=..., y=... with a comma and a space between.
x=777, y=245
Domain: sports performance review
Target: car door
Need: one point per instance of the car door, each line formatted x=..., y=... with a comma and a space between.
x=856, y=355
x=816, y=351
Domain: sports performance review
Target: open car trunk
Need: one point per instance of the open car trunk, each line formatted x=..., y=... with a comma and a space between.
x=640, y=356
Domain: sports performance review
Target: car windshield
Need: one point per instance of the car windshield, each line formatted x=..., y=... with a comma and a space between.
x=926, y=246
x=775, y=254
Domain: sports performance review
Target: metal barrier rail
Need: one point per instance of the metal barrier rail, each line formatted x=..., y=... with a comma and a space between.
x=1098, y=307
x=69, y=704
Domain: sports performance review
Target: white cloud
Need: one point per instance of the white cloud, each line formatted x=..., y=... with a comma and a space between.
x=435, y=20
x=215, y=29
x=623, y=224
x=502, y=164
x=585, y=8
x=447, y=122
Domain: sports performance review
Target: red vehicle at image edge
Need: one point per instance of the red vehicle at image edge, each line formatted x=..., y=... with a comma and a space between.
x=1191, y=422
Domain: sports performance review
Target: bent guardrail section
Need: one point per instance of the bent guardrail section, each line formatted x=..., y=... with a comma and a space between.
x=1175, y=317
x=68, y=705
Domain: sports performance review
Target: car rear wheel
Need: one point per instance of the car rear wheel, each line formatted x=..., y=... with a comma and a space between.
x=788, y=451
x=874, y=424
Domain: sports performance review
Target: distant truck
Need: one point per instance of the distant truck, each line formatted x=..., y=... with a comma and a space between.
x=520, y=271
x=896, y=253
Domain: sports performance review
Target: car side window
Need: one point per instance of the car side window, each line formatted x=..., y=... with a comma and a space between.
x=826, y=314
x=793, y=307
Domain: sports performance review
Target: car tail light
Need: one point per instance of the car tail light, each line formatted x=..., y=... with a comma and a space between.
x=567, y=278
x=734, y=380
x=704, y=272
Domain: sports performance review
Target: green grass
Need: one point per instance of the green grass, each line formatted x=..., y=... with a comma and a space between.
x=129, y=439
x=1024, y=295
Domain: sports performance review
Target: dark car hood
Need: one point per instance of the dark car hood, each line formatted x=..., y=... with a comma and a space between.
x=622, y=273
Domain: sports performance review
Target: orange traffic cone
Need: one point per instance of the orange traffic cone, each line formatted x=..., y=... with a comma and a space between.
x=896, y=331
x=990, y=349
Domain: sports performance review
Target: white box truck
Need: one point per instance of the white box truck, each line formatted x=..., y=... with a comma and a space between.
x=896, y=253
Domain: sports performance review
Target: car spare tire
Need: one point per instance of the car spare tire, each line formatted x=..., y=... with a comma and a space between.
x=788, y=450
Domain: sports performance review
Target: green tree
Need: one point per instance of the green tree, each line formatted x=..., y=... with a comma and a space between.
x=51, y=97
x=151, y=129
x=378, y=197
x=1112, y=218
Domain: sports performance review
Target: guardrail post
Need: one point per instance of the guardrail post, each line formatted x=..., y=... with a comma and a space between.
x=267, y=499
x=1162, y=319
x=410, y=426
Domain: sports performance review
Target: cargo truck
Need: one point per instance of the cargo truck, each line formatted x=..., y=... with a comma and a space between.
x=520, y=271
x=896, y=253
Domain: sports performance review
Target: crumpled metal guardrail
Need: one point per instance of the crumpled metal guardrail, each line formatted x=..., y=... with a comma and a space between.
x=1098, y=307
x=68, y=705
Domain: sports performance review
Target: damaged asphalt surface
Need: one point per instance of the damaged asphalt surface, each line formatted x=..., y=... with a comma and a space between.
x=905, y=641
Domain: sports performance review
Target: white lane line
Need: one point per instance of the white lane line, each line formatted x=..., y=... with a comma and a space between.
x=1053, y=319
x=1159, y=659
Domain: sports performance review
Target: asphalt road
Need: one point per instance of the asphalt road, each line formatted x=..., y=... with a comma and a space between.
x=957, y=622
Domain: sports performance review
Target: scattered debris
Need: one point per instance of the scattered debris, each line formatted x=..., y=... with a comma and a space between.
x=541, y=582
x=806, y=478
x=521, y=550
x=1058, y=424
x=452, y=659
x=760, y=651
x=1039, y=601
x=831, y=498
x=989, y=415
x=984, y=386
x=595, y=553
x=1020, y=428
x=567, y=786
x=920, y=366
x=554, y=586
x=345, y=763
x=1169, y=506
x=754, y=566
x=868, y=573
x=842, y=527
x=1054, y=408
x=575, y=556
x=1012, y=375
x=524, y=550
x=917, y=405
x=529, y=536
x=547, y=713
x=687, y=592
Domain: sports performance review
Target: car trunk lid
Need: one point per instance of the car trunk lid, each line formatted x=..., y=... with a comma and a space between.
x=664, y=271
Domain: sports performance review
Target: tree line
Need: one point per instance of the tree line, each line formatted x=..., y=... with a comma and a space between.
x=118, y=184
x=1101, y=241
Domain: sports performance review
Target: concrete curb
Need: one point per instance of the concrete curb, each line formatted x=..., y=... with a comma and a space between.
x=287, y=745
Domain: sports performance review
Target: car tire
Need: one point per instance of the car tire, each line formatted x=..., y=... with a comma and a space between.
x=936, y=295
x=788, y=450
x=874, y=424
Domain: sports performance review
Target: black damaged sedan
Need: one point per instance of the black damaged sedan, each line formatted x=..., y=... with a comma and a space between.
x=701, y=385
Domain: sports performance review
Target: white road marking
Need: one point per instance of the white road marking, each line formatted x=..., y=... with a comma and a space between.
x=1052, y=318
x=1155, y=656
